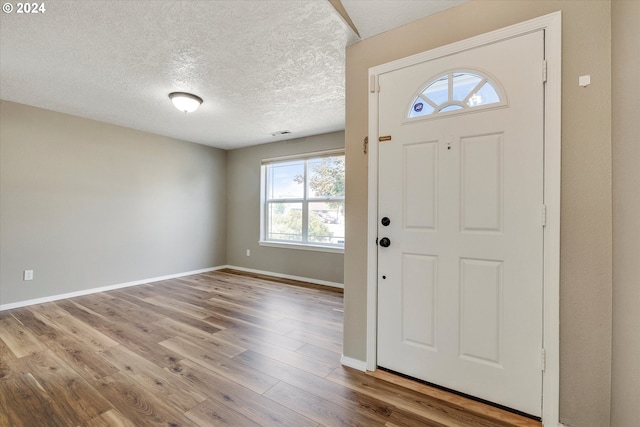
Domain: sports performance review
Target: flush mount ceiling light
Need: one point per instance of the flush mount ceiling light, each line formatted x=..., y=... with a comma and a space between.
x=186, y=102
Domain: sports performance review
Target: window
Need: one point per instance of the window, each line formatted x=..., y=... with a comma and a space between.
x=303, y=201
x=455, y=91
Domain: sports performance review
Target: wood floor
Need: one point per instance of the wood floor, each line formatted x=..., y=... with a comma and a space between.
x=217, y=349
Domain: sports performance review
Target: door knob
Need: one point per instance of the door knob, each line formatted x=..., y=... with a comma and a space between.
x=385, y=242
x=385, y=221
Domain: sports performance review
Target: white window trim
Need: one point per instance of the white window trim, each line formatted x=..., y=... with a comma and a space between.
x=302, y=246
x=263, y=199
x=304, y=156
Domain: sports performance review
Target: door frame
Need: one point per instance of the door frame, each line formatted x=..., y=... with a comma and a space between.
x=552, y=25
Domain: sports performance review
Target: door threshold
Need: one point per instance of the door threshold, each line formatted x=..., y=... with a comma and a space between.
x=466, y=403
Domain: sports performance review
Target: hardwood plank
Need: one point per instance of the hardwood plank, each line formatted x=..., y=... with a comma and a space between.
x=318, y=409
x=133, y=338
x=326, y=331
x=86, y=362
x=61, y=321
x=494, y=414
x=253, y=405
x=34, y=324
x=185, y=308
x=197, y=335
x=140, y=301
x=289, y=304
x=350, y=400
x=182, y=290
x=220, y=364
x=24, y=403
x=422, y=405
x=237, y=295
x=321, y=354
x=19, y=339
x=221, y=322
x=76, y=399
x=214, y=413
x=160, y=382
x=292, y=358
x=249, y=308
x=138, y=404
x=102, y=303
x=244, y=335
x=214, y=282
x=215, y=349
x=111, y=418
x=237, y=314
x=309, y=338
x=373, y=405
x=135, y=321
x=7, y=358
x=139, y=291
x=296, y=297
x=272, y=279
x=181, y=297
x=400, y=418
x=83, y=314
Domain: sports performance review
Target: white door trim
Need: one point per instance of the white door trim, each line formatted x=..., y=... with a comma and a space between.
x=552, y=24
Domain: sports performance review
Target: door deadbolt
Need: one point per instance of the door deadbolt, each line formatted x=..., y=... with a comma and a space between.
x=385, y=221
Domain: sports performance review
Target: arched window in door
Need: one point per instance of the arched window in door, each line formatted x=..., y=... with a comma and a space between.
x=456, y=91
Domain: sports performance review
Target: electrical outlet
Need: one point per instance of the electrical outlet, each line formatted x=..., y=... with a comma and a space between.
x=248, y=252
x=27, y=275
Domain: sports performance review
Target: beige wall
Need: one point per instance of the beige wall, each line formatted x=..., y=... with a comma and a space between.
x=243, y=211
x=585, y=306
x=86, y=204
x=625, y=390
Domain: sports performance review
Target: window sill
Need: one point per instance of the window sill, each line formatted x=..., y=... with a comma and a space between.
x=316, y=248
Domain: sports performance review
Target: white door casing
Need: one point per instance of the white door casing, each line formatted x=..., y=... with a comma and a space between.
x=482, y=329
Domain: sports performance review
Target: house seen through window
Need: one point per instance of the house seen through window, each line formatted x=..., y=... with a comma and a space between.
x=303, y=201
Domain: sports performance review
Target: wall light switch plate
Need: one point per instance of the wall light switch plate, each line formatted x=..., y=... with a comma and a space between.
x=27, y=275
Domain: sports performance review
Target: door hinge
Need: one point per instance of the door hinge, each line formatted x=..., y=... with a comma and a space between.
x=373, y=84
x=544, y=71
x=543, y=216
x=543, y=360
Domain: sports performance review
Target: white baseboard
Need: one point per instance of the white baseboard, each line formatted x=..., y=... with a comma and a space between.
x=101, y=289
x=360, y=365
x=158, y=279
x=287, y=276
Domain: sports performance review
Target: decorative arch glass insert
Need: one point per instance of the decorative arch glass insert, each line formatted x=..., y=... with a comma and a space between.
x=456, y=91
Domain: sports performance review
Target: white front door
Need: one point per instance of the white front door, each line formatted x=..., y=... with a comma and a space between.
x=460, y=276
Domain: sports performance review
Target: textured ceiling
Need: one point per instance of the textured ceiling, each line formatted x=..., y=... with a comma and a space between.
x=260, y=65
